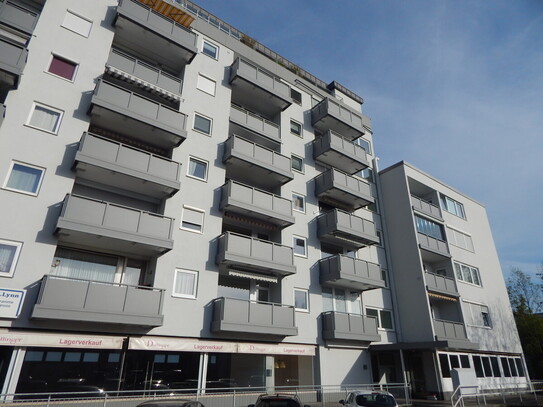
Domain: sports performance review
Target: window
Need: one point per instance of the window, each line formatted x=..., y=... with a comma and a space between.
x=9, y=253
x=460, y=239
x=384, y=318
x=97, y=267
x=296, y=96
x=341, y=300
x=495, y=367
x=206, y=84
x=384, y=276
x=297, y=163
x=380, y=237
x=301, y=300
x=477, y=364
x=467, y=273
x=429, y=228
x=45, y=118
x=299, y=246
x=24, y=178
x=185, y=283
x=464, y=360
x=192, y=219
x=452, y=206
x=197, y=168
x=444, y=364
x=62, y=67
x=296, y=128
x=479, y=315
x=365, y=144
x=367, y=174
x=520, y=368
x=77, y=24
x=202, y=124
x=298, y=202
x=210, y=49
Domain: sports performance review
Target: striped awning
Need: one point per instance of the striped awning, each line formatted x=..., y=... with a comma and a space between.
x=442, y=297
x=170, y=11
x=252, y=276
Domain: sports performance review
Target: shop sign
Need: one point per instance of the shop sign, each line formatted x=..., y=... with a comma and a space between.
x=181, y=345
x=59, y=341
x=11, y=302
x=280, y=349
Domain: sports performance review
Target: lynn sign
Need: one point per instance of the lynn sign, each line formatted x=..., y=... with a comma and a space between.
x=11, y=302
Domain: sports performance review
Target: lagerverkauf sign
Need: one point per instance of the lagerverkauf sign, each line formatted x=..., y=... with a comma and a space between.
x=11, y=302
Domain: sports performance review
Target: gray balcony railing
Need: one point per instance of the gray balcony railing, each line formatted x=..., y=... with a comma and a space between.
x=255, y=164
x=350, y=327
x=162, y=25
x=337, y=151
x=258, y=124
x=443, y=284
x=235, y=315
x=347, y=272
x=17, y=16
x=435, y=245
x=249, y=201
x=112, y=224
x=62, y=298
x=142, y=70
x=330, y=114
x=12, y=56
x=449, y=330
x=343, y=189
x=426, y=207
x=134, y=163
x=260, y=77
x=346, y=229
x=247, y=252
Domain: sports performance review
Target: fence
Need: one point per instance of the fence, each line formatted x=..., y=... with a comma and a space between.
x=528, y=393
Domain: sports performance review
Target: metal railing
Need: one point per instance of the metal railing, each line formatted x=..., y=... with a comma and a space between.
x=315, y=396
x=505, y=394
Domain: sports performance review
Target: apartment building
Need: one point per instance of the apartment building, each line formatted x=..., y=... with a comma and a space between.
x=185, y=208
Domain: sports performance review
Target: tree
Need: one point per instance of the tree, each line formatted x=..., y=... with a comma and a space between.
x=523, y=291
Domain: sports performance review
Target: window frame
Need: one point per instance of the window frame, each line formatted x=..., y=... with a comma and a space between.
x=18, y=247
x=194, y=294
x=64, y=59
x=473, y=271
x=368, y=150
x=379, y=317
x=216, y=55
x=297, y=157
x=45, y=107
x=201, y=161
x=300, y=125
x=193, y=209
x=205, y=77
x=294, y=208
x=452, y=233
x=304, y=239
x=69, y=11
x=446, y=201
x=10, y=171
x=205, y=118
x=306, y=295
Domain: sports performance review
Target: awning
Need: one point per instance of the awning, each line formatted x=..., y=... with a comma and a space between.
x=37, y=339
x=442, y=297
x=252, y=276
x=170, y=11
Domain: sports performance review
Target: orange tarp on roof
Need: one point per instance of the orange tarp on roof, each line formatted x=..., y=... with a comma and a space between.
x=170, y=11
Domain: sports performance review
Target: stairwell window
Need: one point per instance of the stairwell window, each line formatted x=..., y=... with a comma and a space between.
x=297, y=163
x=45, y=118
x=209, y=49
x=202, y=124
x=197, y=169
x=9, y=254
x=62, y=68
x=185, y=283
x=192, y=219
x=301, y=300
x=296, y=128
x=298, y=202
x=299, y=245
x=452, y=206
x=24, y=178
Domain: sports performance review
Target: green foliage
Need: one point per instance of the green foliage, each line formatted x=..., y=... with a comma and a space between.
x=524, y=291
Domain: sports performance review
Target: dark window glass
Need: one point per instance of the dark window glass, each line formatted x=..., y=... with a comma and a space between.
x=296, y=96
x=513, y=367
x=495, y=367
x=429, y=228
x=455, y=363
x=478, y=366
x=464, y=361
x=520, y=369
x=486, y=365
x=505, y=367
x=444, y=362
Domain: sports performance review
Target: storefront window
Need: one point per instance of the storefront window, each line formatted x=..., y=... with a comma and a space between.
x=235, y=370
x=293, y=370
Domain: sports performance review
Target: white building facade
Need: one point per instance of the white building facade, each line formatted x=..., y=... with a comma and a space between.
x=184, y=208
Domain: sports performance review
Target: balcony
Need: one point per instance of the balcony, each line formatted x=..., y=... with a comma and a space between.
x=154, y=36
x=105, y=225
x=144, y=75
x=258, y=89
x=69, y=299
x=332, y=115
x=125, y=167
x=255, y=164
x=347, y=272
x=241, y=199
x=441, y=284
x=15, y=15
x=433, y=246
x=2, y=113
x=338, y=152
x=254, y=127
x=454, y=333
x=131, y=114
x=349, y=327
x=12, y=62
x=233, y=315
x=343, y=229
x=426, y=207
x=343, y=190
x=239, y=252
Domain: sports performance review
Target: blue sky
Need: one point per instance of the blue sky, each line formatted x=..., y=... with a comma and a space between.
x=453, y=87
